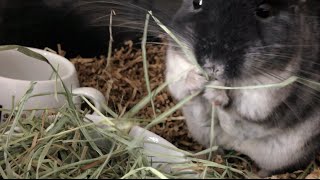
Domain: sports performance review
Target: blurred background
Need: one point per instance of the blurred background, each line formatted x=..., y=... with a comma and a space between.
x=80, y=26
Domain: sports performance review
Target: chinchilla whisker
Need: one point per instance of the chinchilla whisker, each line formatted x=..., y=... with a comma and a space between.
x=308, y=72
x=129, y=24
x=281, y=57
x=145, y=7
x=96, y=8
x=136, y=26
x=124, y=21
x=124, y=15
x=127, y=7
x=272, y=54
x=124, y=10
x=270, y=74
x=159, y=43
x=250, y=73
x=178, y=49
x=162, y=43
x=297, y=85
x=137, y=30
x=103, y=4
x=102, y=9
x=283, y=46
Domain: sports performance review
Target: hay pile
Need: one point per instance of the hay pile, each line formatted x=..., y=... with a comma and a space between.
x=61, y=144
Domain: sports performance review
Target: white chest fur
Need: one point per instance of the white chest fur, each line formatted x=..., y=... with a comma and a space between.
x=258, y=104
x=255, y=104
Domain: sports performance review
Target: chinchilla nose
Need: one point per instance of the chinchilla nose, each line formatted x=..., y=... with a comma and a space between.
x=215, y=71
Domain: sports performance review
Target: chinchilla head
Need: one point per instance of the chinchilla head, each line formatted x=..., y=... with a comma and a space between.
x=238, y=39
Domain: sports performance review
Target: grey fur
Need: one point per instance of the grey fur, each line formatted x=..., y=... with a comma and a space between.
x=278, y=128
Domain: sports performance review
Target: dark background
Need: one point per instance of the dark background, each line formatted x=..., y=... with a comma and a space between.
x=45, y=23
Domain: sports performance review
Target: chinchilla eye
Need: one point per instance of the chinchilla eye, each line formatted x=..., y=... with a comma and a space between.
x=264, y=11
x=197, y=4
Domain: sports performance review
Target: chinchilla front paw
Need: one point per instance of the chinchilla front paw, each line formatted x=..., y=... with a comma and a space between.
x=216, y=96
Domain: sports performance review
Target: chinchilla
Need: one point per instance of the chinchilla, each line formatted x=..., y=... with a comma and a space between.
x=250, y=43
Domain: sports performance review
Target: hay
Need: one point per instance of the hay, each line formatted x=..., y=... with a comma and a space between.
x=66, y=146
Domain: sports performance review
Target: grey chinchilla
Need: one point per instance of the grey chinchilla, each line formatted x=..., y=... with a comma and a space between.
x=250, y=43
